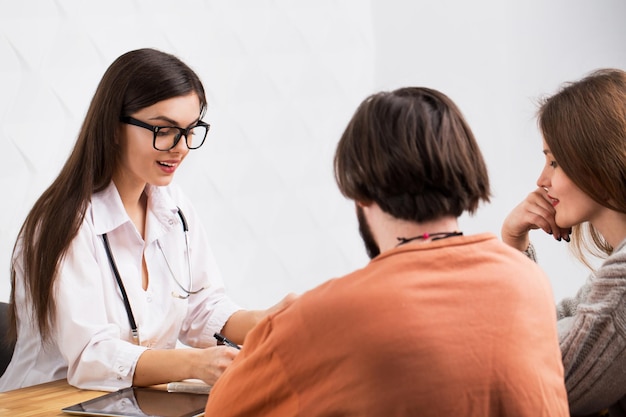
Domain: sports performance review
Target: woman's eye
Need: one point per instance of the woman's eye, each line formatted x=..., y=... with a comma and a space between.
x=553, y=164
x=166, y=131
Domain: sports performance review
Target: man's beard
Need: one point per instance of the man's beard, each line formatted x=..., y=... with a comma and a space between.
x=371, y=247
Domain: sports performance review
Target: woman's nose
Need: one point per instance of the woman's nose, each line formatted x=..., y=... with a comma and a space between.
x=544, y=179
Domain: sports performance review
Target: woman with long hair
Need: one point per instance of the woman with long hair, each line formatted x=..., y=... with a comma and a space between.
x=581, y=196
x=112, y=268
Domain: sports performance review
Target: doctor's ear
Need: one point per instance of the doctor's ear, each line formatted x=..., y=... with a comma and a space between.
x=117, y=138
x=363, y=204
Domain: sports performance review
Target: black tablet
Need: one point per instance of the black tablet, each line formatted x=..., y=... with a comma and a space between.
x=142, y=402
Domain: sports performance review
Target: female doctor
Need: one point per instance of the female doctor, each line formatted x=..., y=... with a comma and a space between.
x=112, y=266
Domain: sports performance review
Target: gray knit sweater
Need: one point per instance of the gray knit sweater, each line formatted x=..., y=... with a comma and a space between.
x=592, y=335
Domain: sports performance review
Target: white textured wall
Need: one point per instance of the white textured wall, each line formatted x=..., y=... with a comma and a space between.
x=283, y=78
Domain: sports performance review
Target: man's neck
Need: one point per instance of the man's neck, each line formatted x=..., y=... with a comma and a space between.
x=389, y=230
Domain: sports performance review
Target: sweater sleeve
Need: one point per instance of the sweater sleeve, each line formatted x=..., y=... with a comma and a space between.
x=592, y=336
x=567, y=307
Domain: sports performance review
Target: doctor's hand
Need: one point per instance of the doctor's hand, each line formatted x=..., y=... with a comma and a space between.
x=534, y=212
x=212, y=362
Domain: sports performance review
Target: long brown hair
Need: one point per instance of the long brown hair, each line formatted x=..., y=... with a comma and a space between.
x=411, y=152
x=584, y=125
x=135, y=80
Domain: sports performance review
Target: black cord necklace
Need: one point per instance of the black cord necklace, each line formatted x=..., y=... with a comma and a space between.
x=432, y=236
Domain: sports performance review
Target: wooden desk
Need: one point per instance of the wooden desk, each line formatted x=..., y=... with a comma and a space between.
x=43, y=400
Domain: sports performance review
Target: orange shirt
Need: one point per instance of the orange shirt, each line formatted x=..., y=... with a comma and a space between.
x=463, y=326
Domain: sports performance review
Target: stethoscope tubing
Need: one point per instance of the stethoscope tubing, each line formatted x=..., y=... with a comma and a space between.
x=118, y=277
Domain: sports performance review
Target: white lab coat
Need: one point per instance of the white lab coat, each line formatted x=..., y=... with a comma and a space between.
x=91, y=340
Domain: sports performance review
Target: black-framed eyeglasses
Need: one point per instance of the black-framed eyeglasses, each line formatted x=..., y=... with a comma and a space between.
x=167, y=137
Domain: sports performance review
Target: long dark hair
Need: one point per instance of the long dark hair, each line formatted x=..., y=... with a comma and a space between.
x=135, y=80
x=584, y=125
x=411, y=152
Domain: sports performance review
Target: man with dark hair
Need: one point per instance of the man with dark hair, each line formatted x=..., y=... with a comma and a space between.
x=438, y=323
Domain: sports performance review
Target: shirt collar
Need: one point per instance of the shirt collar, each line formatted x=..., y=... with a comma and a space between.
x=108, y=210
x=162, y=213
x=109, y=213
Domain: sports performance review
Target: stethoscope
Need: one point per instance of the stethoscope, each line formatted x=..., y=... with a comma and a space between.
x=120, y=284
